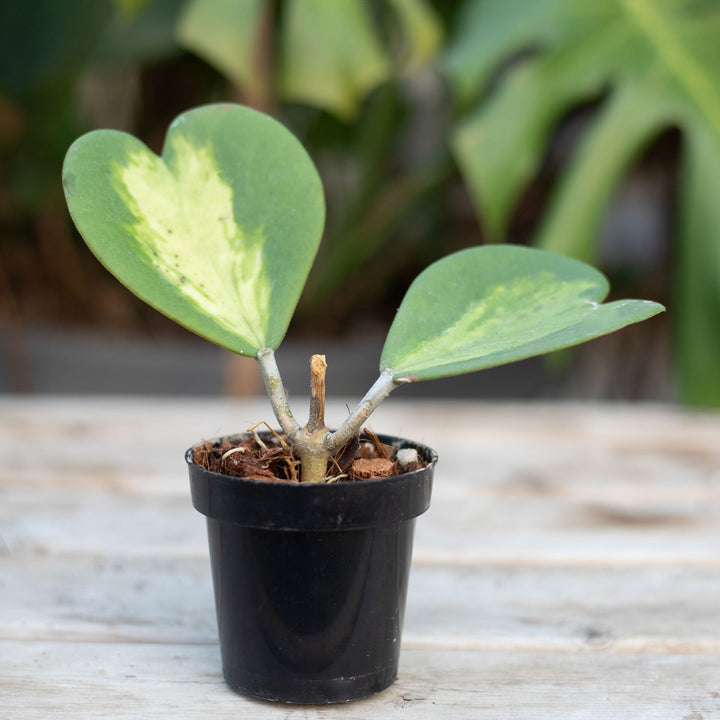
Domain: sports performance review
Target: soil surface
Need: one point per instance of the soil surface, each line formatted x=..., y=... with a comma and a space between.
x=269, y=456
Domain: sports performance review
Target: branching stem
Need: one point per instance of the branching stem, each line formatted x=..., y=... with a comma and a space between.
x=314, y=443
x=276, y=392
x=382, y=387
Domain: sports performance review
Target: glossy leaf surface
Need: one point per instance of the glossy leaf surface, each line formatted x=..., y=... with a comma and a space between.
x=491, y=305
x=218, y=233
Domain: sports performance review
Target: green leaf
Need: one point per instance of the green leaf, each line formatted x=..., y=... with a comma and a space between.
x=128, y=8
x=624, y=127
x=421, y=30
x=487, y=29
x=331, y=56
x=225, y=33
x=499, y=156
x=659, y=61
x=658, y=65
x=218, y=233
x=697, y=291
x=490, y=305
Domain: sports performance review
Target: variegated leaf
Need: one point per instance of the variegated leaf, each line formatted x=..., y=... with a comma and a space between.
x=218, y=233
x=496, y=304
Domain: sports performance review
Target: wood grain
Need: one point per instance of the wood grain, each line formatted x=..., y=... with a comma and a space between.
x=568, y=566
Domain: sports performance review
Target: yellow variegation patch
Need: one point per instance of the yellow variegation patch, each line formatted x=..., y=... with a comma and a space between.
x=218, y=232
x=501, y=319
x=490, y=305
x=184, y=220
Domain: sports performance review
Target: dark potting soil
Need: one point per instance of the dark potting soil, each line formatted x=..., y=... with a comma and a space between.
x=271, y=457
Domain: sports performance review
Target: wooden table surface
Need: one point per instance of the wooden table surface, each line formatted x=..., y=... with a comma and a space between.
x=569, y=566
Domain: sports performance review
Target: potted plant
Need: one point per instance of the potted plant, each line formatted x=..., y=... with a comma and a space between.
x=310, y=561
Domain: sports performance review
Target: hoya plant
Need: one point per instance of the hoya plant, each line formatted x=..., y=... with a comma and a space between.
x=219, y=233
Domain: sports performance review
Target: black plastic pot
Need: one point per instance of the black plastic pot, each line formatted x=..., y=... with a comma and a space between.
x=310, y=580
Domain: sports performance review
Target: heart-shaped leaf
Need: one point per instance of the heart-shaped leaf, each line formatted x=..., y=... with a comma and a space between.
x=218, y=233
x=496, y=304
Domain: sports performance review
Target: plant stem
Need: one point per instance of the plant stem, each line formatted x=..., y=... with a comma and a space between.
x=276, y=392
x=310, y=441
x=318, y=366
x=314, y=457
x=314, y=443
x=382, y=387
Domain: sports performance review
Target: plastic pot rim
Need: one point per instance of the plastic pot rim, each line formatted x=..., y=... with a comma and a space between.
x=323, y=506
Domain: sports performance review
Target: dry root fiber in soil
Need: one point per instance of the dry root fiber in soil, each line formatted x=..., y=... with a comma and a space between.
x=269, y=456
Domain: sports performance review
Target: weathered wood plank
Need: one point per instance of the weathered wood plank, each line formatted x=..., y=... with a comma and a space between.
x=123, y=681
x=478, y=528
x=530, y=431
x=562, y=484
x=568, y=566
x=168, y=599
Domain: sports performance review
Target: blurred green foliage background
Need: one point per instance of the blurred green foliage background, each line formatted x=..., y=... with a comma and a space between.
x=591, y=128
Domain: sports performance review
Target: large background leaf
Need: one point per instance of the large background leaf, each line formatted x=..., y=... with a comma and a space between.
x=329, y=55
x=219, y=233
x=227, y=34
x=324, y=62
x=491, y=305
x=653, y=64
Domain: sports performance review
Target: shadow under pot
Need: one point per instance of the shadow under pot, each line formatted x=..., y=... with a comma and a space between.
x=311, y=580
